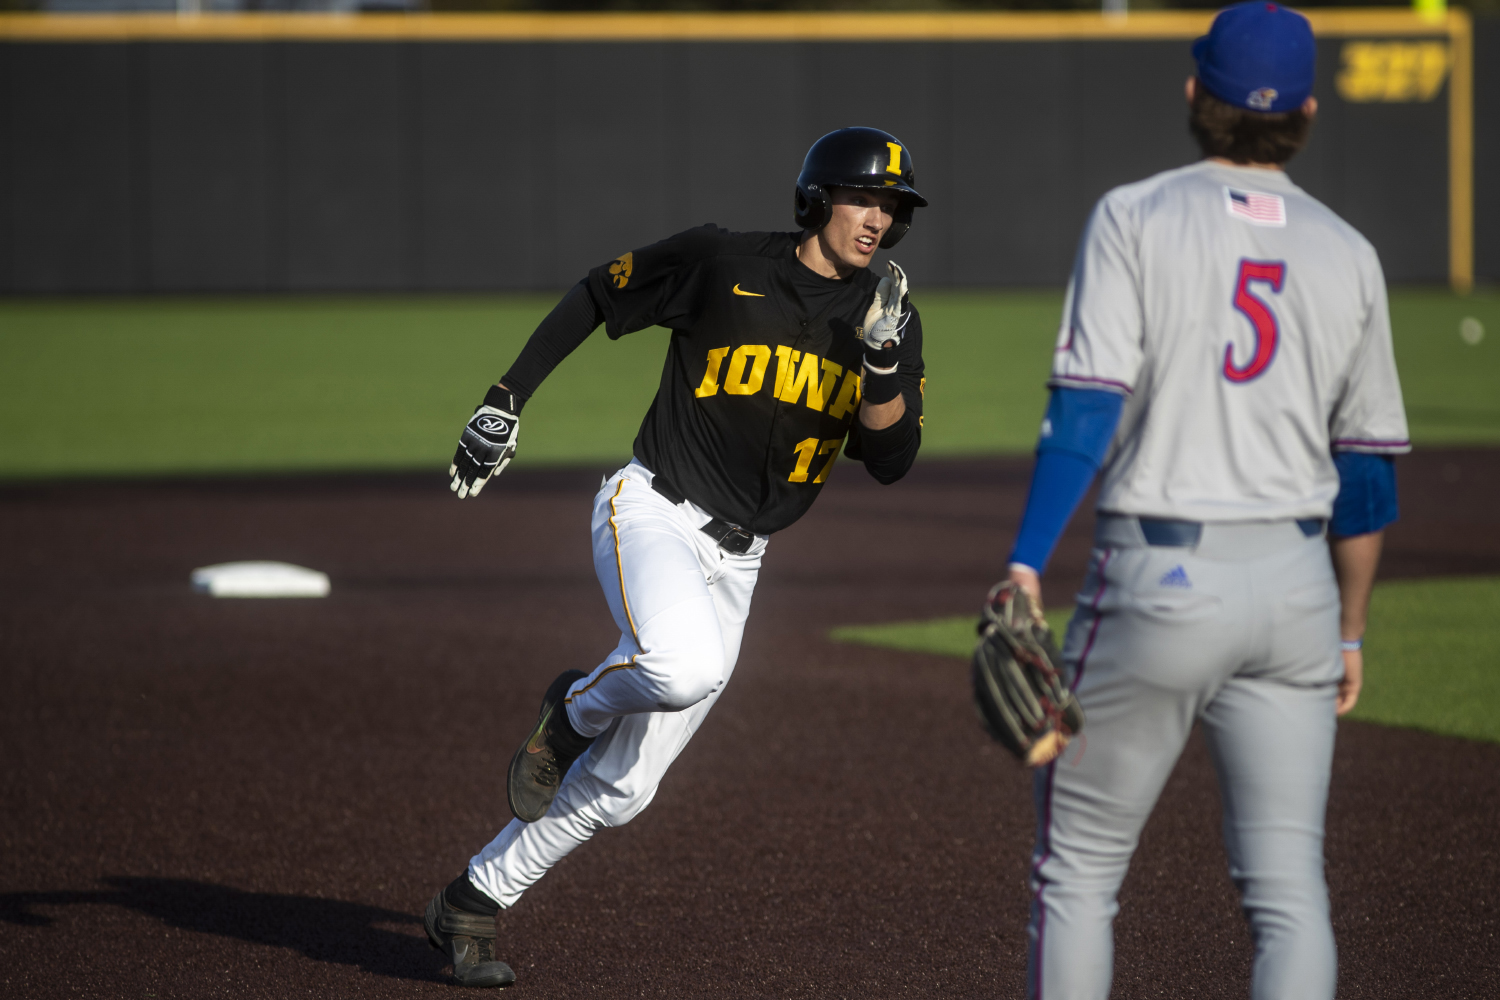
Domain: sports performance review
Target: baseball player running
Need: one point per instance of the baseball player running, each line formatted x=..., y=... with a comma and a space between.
x=1225, y=359
x=783, y=346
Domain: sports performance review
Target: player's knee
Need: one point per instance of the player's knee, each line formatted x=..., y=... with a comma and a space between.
x=617, y=810
x=697, y=672
x=1285, y=906
x=588, y=803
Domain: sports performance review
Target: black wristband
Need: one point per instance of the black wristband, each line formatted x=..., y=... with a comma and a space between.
x=504, y=399
x=878, y=388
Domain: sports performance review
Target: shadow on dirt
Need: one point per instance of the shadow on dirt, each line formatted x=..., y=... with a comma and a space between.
x=325, y=930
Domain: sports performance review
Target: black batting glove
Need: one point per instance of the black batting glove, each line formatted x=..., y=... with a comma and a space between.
x=488, y=442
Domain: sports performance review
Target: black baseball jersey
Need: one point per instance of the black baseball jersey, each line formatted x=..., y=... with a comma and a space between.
x=762, y=377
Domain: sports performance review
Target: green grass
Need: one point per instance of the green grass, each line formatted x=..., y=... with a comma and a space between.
x=1431, y=659
x=954, y=636
x=1452, y=389
x=988, y=356
x=1430, y=653
x=219, y=385
x=109, y=386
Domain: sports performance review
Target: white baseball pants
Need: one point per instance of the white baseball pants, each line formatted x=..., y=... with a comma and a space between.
x=680, y=603
x=1240, y=632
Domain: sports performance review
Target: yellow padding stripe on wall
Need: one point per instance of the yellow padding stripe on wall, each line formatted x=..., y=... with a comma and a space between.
x=625, y=26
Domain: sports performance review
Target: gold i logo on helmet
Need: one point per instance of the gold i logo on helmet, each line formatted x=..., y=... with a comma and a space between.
x=894, y=167
x=620, y=269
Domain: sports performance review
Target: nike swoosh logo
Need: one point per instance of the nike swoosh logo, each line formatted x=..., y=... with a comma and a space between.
x=754, y=295
x=534, y=745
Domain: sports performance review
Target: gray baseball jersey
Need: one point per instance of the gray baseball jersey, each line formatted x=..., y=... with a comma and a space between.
x=1247, y=326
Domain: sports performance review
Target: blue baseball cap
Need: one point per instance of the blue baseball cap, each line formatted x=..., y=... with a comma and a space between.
x=1258, y=56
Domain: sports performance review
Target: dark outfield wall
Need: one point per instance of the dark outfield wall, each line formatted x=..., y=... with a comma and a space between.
x=413, y=166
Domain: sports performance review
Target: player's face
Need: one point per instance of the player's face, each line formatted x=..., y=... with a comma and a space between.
x=860, y=218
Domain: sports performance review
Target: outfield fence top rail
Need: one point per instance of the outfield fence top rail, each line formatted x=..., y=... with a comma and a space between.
x=692, y=26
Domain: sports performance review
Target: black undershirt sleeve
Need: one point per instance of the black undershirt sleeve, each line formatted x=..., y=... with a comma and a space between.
x=566, y=326
x=888, y=453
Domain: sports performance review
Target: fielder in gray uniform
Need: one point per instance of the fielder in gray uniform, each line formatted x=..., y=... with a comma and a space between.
x=1225, y=362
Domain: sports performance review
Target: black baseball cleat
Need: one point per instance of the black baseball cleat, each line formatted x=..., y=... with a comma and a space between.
x=468, y=939
x=538, y=767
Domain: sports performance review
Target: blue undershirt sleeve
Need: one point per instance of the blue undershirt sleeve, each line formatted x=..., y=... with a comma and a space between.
x=1076, y=433
x=1367, y=494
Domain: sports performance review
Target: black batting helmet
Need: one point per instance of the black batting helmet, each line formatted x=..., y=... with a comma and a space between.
x=857, y=158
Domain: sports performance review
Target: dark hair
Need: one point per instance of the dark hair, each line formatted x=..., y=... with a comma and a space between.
x=1246, y=136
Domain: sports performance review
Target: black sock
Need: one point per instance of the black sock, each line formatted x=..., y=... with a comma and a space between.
x=462, y=895
x=563, y=736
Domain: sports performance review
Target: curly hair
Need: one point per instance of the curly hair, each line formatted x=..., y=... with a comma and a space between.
x=1246, y=136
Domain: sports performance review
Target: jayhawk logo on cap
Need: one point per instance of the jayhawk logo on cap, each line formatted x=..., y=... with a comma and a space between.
x=1262, y=98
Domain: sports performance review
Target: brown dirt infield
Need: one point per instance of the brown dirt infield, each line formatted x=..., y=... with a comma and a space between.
x=245, y=798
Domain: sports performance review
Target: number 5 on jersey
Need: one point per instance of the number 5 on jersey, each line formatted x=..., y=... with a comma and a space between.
x=1262, y=319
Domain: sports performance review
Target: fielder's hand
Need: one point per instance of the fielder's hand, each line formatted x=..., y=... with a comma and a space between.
x=886, y=317
x=1354, y=679
x=488, y=443
x=1025, y=577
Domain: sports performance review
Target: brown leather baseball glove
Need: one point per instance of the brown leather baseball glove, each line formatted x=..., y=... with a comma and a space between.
x=1019, y=688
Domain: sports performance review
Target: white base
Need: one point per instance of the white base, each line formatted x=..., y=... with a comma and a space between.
x=259, y=579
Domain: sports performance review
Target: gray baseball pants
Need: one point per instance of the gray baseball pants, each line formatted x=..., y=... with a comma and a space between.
x=1237, y=630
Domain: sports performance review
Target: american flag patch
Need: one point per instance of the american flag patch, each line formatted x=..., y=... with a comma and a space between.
x=1252, y=206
